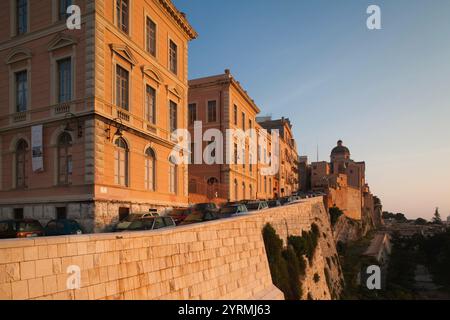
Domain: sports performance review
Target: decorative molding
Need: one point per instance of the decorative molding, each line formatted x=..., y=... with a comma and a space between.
x=153, y=73
x=176, y=91
x=180, y=18
x=17, y=55
x=60, y=41
x=124, y=52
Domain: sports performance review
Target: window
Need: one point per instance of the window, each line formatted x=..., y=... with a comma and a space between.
x=192, y=110
x=265, y=184
x=235, y=115
x=192, y=151
x=151, y=37
x=251, y=192
x=250, y=124
x=61, y=213
x=173, y=116
x=250, y=160
x=65, y=159
x=236, y=191
x=236, y=157
x=150, y=168
x=150, y=105
x=122, y=88
x=243, y=121
x=173, y=56
x=173, y=179
x=243, y=158
x=21, y=164
x=64, y=80
x=63, y=5
x=18, y=213
x=21, y=91
x=122, y=11
x=270, y=185
x=213, y=143
x=212, y=111
x=243, y=190
x=21, y=16
x=121, y=163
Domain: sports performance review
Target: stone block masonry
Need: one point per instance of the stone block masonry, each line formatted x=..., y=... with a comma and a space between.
x=223, y=259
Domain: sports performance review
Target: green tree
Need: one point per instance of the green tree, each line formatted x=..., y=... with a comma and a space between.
x=420, y=221
x=437, y=217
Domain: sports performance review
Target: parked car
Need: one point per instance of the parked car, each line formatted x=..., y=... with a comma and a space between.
x=199, y=216
x=257, y=205
x=147, y=223
x=274, y=203
x=205, y=207
x=136, y=216
x=180, y=214
x=23, y=228
x=232, y=210
x=285, y=200
x=62, y=227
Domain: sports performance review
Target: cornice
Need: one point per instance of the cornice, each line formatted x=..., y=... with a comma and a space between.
x=179, y=17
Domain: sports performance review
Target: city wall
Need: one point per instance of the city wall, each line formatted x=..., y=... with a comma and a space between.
x=223, y=259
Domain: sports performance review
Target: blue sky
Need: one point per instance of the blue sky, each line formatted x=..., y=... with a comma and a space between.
x=386, y=93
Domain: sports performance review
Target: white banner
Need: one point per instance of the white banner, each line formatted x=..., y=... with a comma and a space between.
x=37, y=148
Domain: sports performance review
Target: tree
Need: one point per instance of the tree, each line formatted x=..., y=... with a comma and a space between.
x=437, y=217
x=420, y=221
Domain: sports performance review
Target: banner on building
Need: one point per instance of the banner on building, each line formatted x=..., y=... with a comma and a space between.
x=37, y=148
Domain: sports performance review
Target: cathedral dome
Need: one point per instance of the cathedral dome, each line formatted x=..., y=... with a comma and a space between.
x=340, y=149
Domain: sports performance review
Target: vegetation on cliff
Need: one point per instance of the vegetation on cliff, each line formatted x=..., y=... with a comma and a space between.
x=288, y=265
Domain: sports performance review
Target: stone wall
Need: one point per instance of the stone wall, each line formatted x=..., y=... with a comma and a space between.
x=223, y=259
x=348, y=199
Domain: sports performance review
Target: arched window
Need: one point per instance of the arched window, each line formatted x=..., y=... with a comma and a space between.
x=21, y=164
x=121, y=163
x=243, y=190
x=212, y=188
x=251, y=192
x=173, y=176
x=270, y=186
x=236, y=191
x=150, y=169
x=64, y=158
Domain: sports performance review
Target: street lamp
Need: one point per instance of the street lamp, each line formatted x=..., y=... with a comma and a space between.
x=118, y=124
x=69, y=117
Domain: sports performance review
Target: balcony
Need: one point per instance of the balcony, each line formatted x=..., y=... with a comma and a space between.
x=19, y=117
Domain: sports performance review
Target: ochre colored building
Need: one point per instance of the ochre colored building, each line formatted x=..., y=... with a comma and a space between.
x=86, y=115
x=344, y=182
x=287, y=178
x=220, y=103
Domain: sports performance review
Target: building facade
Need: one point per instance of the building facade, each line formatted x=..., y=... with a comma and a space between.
x=287, y=177
x=86, y=115
x=344, y=182
x=220, y=103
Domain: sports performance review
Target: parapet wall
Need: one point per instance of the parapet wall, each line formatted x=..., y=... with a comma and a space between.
x=223, y=259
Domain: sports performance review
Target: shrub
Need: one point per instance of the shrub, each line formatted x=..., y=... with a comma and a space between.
x=335, y=213
x=284, y=264
x=294, y=274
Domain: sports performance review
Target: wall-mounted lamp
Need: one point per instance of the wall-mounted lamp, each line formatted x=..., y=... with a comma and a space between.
x=69, y=118
x=119, y=131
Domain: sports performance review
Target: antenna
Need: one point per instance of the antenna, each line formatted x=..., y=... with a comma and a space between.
x=317, y=152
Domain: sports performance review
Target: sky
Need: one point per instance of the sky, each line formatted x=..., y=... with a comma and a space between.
x=385, y=93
